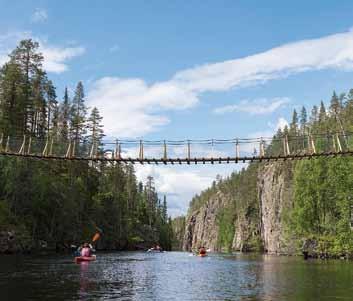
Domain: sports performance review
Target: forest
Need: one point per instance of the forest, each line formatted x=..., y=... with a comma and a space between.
x=54, y=204
x=322, y=188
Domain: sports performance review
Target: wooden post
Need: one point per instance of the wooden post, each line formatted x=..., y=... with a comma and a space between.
x=189, y=152
x=284, y=146
x=339, y=143
x=22, y=149
x=118, y=150
x=115, y=152
x=51, y=146
x=91, y=151
x=237, y=150
x=287, y=146
x=45, y=150
x=68, y=152
x=73, y=149
x=334, y=144
x=7, y=147
x=29, y=145
x=165, y=150
x=141, y=151
x=1, y=140
x=313, y=148
x=262, y=149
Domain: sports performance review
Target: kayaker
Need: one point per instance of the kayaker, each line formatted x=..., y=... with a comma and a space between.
x=86, y=250
x=202, y=251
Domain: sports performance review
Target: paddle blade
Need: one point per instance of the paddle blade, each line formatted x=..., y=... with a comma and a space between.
x=96, y=237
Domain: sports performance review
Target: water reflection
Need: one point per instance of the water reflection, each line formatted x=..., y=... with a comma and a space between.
x=175, y=276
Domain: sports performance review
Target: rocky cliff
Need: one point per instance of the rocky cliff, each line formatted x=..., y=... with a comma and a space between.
x=255, y=204
x=275, y=202
x=201, y=225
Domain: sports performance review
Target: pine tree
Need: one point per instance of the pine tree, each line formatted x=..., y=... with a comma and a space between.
x=65, y=116
x=322, y=112
x=29, y=60
x=335, y=104
x=78, y=115
x=314, y=114
x=51, y=107
x=95, y=128
x=164, y=209
x=12, y=109
x=294, y=124
x=303, y=119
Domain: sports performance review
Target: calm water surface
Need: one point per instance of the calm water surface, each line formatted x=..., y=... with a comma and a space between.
x=174, y=276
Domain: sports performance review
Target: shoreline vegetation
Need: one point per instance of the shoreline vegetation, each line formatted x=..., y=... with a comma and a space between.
x=53, y=205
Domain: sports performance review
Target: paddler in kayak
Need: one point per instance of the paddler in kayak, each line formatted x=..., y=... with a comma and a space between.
x=86, y=250
x=202, y=252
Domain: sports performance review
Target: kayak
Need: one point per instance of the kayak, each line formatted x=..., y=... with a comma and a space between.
x=79, y=259
x=202, y=255
x=154, y=251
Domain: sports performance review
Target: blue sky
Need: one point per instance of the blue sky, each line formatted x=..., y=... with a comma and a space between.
x=192, y=69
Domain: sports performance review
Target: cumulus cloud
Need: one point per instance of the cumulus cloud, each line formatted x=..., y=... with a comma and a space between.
x=258, y=106
x=130, y=107
x=55, y=57
x=144, y=105
x=40, y=15
x=180, y=184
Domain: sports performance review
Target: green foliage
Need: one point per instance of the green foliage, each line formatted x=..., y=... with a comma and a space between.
x=226, y=228
x=65, y=203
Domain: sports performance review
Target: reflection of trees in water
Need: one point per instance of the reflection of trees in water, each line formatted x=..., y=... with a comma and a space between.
x=292, y=278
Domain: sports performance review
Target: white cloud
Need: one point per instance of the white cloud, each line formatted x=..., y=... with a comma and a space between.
x=281, y=123
x=133, y=111
x=258, y=106
x=40, y=15
x=55, y=57
x=130, y=106
x=181, y=184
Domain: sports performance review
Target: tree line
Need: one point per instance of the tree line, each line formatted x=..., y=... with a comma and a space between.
x=63, y=203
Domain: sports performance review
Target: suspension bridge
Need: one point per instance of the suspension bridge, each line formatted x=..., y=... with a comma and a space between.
x=207, y=151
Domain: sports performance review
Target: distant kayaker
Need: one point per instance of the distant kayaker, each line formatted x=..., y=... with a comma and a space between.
x=86, y=250
x=202, y=251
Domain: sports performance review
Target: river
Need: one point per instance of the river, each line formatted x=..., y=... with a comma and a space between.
x=174, y=276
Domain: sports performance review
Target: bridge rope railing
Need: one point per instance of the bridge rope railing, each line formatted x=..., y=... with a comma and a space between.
x=181, y=151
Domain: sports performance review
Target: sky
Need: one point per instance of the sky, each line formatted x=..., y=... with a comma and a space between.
x=189, y=69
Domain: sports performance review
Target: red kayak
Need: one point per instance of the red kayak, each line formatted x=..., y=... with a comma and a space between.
x=202, y=255
x=85, y=258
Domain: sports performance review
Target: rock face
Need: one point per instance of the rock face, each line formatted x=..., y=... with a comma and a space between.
x=264, y=229
x=201, y=225
x=276, y=200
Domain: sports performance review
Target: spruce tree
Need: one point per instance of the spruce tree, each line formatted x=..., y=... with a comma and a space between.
x=78, y=116
x=65, y=116
x=95, y=128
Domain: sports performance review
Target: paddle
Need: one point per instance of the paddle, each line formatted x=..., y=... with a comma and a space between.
x=96, y=237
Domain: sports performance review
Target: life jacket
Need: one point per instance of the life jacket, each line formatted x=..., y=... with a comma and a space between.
x=86, y=252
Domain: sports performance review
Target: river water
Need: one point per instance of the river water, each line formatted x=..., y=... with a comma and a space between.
x=174, y=276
